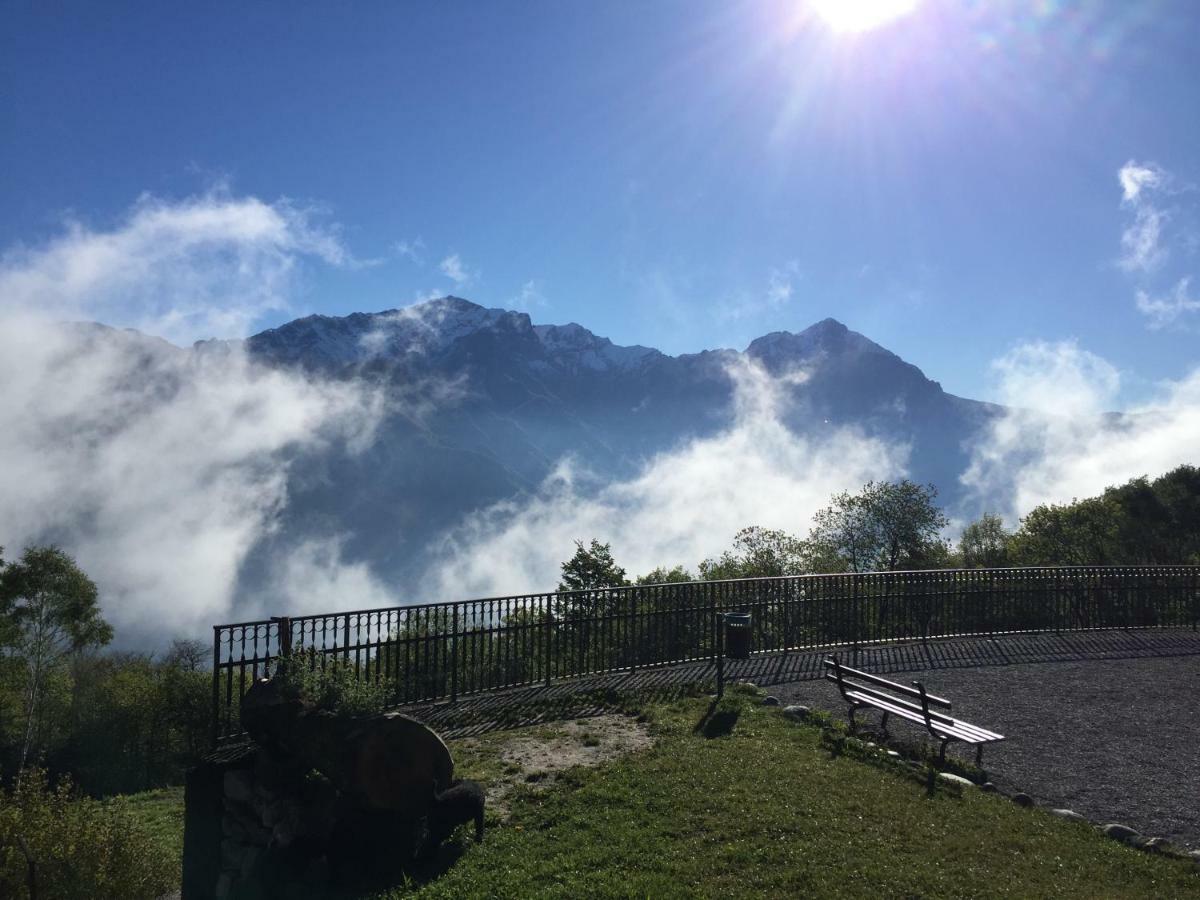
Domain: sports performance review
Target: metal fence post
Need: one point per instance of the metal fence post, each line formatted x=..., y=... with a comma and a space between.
x=857, y=614
x=284, y=624
x=454, y=655
x=216, y=685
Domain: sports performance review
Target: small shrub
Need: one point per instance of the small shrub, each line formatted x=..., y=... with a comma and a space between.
x=332, y=684
x=80, y=847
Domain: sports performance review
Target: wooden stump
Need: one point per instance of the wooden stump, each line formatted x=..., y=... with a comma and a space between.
x=383, y=762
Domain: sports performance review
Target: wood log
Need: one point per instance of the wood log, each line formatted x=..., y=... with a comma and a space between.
x=382, y=762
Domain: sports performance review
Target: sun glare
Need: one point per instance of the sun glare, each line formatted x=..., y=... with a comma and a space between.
x=860, y=15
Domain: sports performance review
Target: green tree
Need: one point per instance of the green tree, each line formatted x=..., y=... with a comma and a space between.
x=50, y=611
x=663, y=575
x=1179, y=493
x=1081, y=533
x=590, y=568
x=984, y=543
x=884, y=527
x=757, y=553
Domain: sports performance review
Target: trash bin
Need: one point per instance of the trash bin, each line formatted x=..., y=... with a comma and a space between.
x=737, y=635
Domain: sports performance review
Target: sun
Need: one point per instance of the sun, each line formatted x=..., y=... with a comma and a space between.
x=860, y=15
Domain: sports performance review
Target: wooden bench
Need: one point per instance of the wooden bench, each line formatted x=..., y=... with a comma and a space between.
x=861, y=689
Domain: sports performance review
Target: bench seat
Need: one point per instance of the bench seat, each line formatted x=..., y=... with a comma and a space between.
x=915, y=704
x=963, y=731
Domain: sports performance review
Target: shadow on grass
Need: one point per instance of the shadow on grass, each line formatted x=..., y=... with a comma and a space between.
x=371, y=855
x=915, y=762
x=720, y=717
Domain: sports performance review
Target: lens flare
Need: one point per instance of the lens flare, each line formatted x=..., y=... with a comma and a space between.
x=860, y=15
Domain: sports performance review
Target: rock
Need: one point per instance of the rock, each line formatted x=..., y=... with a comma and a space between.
x=796, y=711
x=746, y=685
x=1068, y=814
x=239, y=786
x=232, y=854
x=956, y=779
x=239, y=826
x=1122, y=833
x=249, y=860
x=273, y=812
x=770, y=701
x=1159, y=845
x=224, y=887
x=1194, y=856
x=988, y=788
x=893, y=754
x=1022, y=800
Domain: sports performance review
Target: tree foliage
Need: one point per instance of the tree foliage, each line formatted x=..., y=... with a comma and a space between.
x=884, y=527
x=1141, y=522
x=50, y=610
x=79, y=847
x=757, y=553
x=984, y=543
x=590, y=568
x=663, y=575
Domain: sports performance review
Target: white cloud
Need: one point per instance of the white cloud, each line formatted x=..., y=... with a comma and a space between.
x=779, y=284
x=210, y=265
x=1136, y=177
x=1169, y=309
x=1144, y=248
x=530, y=296
x=313, y=577
x=1057, y=442
x=413, y=250
x=775, y=295
x=452, y=267
x=684, y=506
x=158, y=468
x=1141, y=242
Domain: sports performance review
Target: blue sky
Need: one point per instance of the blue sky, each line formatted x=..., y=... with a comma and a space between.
x=678, y=174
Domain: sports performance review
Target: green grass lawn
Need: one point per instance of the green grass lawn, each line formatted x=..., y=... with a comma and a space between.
x=161, y=815
x=769, y=810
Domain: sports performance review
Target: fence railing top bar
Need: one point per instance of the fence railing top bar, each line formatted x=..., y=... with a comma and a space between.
x=810, y=577
x=255, y=624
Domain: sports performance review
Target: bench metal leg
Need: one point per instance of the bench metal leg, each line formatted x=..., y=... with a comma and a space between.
x=883, y=724
x=853, y=724
x=942, y=754
x=979, y=756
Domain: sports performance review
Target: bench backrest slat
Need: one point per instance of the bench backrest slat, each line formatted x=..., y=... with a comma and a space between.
x=847, y=673
x=881, y=695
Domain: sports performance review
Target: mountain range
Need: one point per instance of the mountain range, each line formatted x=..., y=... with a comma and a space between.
x=492, y=402
x=479, y=406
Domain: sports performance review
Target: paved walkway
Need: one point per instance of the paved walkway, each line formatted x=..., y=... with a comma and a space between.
x=475, y=713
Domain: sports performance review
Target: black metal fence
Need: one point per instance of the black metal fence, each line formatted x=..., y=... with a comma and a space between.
x=442, y=651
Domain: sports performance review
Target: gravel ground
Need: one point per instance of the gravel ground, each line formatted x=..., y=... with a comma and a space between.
x=1114, y=739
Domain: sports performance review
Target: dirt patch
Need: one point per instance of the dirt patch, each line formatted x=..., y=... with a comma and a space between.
x=534, y=760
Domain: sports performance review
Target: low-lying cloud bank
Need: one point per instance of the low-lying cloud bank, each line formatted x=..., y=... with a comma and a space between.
x=160, y=468
x=684, y=506
x=1058, y=441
